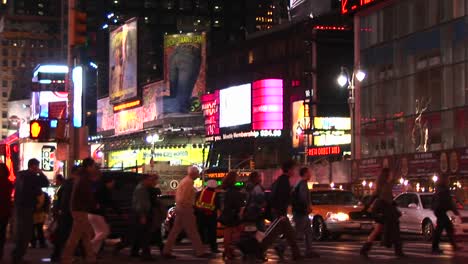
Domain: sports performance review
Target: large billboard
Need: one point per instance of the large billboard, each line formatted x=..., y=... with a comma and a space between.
x=300, y=122
x=123, y=79
x=184, y=72
x=105, y=115
x=41, y=101
x=235, y=106
x=267, y=104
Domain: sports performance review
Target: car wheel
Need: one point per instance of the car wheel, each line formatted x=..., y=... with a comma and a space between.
x=319, y=228
x=428, y=230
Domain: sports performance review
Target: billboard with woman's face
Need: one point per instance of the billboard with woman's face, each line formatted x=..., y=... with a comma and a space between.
x=123, y=81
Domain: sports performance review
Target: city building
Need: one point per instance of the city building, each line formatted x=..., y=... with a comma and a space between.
x=29, y=35
x=299, y=59
x=411, y=110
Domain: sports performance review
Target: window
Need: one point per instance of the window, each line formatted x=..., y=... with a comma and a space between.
x=5, y=83
x=13, y=63
x=403, y=200
x=5, y=52
x=426, y=201
x=5, y=63
x=4, y=114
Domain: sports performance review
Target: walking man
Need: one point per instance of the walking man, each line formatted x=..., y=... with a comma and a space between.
x=28, y=186
x=301, y=209
x=185, y=217
x=6, y=187
x=206, y=208
x=82, y=202
x=441, y=203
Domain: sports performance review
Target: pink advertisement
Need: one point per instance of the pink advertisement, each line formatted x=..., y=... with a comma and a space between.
x=267, y=104
x=105, y=115
x=210, y=108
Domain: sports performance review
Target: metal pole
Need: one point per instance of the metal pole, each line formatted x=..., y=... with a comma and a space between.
x=71, y=136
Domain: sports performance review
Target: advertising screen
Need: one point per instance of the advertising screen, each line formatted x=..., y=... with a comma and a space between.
x=40, y=102
x=267, y=104
x=300, y=122
x=235, y=106
x=123, y=81
x=105, y=115
x=210, y=107
x=175, y=156
x=184, y=72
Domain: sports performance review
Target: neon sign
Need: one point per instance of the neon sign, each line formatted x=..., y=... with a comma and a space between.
x=210, y=108
x=324, y=151
x=267, y=104
x=248, y=134
x=128, y=105
x=348, y=6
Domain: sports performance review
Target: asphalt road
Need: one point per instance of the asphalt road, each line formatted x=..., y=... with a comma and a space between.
x=343, y=251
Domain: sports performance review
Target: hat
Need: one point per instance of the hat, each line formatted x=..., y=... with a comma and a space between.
x=212, y=184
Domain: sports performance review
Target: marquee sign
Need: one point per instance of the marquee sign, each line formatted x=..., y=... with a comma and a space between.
x=324, y=151
x=349, y=6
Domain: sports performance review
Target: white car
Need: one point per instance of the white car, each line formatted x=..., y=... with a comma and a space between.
x=418, y=218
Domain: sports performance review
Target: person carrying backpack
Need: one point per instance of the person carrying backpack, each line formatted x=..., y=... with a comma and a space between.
x=301, y=208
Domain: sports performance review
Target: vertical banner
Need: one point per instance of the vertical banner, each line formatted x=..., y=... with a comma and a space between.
x=300, y=122
x=184, y=72
x=123, y=80
x=210, y=107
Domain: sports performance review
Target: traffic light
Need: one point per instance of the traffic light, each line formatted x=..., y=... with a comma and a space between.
x=39, y=130
x=77, y=28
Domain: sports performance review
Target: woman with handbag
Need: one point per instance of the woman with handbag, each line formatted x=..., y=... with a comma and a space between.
x=231, y=214
x=386, y=216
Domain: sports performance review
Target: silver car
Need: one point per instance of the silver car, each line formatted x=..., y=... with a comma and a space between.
x=418, y=217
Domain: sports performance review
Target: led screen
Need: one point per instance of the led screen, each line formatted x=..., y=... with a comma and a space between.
x=235, y=106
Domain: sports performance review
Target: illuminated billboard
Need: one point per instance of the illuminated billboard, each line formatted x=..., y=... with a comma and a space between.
x=336, y=123
x=123, y=81
x=184, y=72
x=175, y=156
x=349, y=6
x=329, y=131
x=235, y=106
x=105, y=115
x=300, y=122
x=267, y=104
x=41, y=100
x=210, y=108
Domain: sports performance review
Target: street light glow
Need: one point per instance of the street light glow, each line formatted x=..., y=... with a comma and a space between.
x=435, y=178
x=342, y=80
x=360, y=75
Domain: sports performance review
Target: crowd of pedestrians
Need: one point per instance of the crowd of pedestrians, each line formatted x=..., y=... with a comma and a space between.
x=82, y=202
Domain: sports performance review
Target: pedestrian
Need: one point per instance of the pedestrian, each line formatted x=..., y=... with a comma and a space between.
x=6, y=189
x=441, y=204
x=159, y=212
x=141, y=206
x=39, y=219
x=231, y=214
x=256, y=201
x=301, y=208
x=82, y=203
x=206, y=210
x=97, y=217
x=28, y=186
x=185, y=218
x=64, y=215
x=386, y=216
x=280, y=200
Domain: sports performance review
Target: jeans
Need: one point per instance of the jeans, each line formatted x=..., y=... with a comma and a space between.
x=207, y=225
x=3, y=231
x=141, y=238
x=23, y=232
x=185, y=220
x=443, y=222
x=304, y=229
x=81, y=230
x=38, y=235
x=184, y=68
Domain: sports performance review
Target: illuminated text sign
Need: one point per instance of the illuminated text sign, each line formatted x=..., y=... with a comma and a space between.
x=128, y=105
x=267, y=104
x=249, y=134
x=210, y=108
x=332, y=123
x=348, y=6
x=324, y=151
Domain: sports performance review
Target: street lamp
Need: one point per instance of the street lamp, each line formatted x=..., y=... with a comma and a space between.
x=345, y=78
x=152, y=139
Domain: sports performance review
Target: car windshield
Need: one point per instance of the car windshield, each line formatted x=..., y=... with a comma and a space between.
x=333, y=198
x=427, y=201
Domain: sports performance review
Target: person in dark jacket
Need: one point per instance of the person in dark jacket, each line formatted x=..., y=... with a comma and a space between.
x=39, y=219
x=441, y=204
x=28, y=186
x=256, y=201
x=6, y=188
x=82, y=202
x=64, y=216
x=386, y=216
x=281, y=199
x=206, y=210
x=159, y=215
x=231, y=214
x=301, y=208
x=97, y=217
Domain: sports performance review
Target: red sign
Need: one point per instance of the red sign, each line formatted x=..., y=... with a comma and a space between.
x=57, y=110
x=348, y=6
x=267, y=104
x=210, y=108
x=324, y=151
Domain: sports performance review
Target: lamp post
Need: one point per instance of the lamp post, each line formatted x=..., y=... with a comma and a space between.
x=345, y=78
x=152, y=139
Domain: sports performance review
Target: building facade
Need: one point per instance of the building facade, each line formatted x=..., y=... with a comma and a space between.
x=29, y=35
x=413, y=103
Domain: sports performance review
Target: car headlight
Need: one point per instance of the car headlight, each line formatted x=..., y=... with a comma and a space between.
x=338, y=217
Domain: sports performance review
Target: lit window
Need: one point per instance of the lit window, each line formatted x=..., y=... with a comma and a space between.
x=251, y=57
